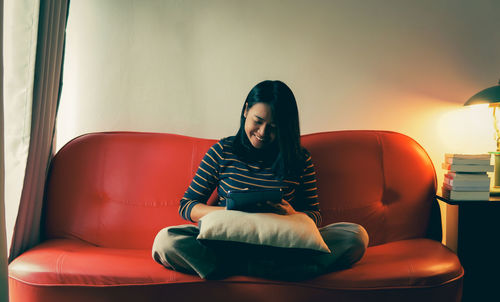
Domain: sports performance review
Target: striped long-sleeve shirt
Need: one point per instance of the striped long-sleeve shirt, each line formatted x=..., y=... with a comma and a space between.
x=221, y=169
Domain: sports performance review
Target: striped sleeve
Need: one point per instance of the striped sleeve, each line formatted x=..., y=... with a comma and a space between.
x=309, y=192
x=204, y=181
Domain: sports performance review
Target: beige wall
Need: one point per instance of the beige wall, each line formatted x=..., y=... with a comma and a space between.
x=186, y=66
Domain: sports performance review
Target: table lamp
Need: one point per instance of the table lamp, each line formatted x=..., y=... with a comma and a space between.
x=491, y=96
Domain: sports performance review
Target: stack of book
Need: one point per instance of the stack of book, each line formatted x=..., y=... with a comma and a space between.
x=466, y=177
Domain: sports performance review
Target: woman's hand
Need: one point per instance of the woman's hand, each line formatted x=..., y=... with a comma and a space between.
x=282, y=208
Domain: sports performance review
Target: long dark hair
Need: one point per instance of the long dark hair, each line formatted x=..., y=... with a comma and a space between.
x=286, y=153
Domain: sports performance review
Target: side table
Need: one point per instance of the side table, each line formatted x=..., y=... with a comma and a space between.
x=478, y=229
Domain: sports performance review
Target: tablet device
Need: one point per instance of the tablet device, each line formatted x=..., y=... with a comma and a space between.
x=248, y=200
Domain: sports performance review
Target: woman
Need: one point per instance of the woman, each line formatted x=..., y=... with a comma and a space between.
x=265, y=153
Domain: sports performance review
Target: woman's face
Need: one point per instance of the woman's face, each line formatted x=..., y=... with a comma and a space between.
x=259, y=126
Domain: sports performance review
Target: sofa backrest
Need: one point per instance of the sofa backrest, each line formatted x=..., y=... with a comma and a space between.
x=382, y=180
x=118, y=189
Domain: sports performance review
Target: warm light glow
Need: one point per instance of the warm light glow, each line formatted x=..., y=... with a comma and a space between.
x=468, y=129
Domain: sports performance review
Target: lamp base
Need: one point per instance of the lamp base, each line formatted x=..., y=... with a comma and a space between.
x=495, y=191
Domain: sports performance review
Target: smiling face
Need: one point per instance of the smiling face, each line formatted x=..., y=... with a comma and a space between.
x=259, y=126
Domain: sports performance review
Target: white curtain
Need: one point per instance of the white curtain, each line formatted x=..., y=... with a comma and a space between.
x=4, y=289
x=44, y=102
x=20, y=40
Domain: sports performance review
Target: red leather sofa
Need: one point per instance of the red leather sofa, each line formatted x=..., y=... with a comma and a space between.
x=108, y=194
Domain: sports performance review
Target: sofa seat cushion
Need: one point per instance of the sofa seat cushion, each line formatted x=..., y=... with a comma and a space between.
x=398, y=264
x=401, y=264
x=72, y=262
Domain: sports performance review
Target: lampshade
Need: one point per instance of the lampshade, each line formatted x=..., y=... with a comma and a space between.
x=486, y=96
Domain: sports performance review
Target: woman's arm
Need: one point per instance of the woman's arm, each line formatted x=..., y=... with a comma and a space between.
x=193, y=203
x=308, y=192
x=199, y=210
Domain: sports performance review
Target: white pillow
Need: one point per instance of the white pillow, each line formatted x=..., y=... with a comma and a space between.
x=284, y=231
